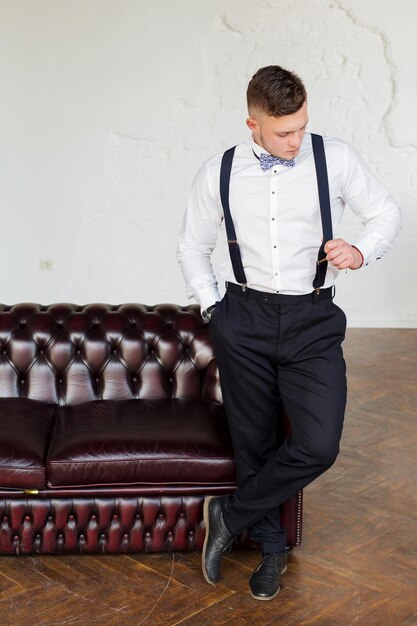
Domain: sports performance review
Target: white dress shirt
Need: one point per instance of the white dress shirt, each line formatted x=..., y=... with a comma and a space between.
x=276, y=215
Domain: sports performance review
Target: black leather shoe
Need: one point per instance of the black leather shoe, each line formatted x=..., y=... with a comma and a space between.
x=218, y=540
x=264, y=582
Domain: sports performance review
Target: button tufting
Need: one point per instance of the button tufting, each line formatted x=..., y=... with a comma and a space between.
x=27, y=518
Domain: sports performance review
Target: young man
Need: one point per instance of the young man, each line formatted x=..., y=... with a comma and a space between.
x=277, y=332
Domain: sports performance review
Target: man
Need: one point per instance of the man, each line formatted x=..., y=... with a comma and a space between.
x=277, y=332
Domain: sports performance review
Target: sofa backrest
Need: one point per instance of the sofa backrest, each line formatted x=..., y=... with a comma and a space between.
x=70, y=354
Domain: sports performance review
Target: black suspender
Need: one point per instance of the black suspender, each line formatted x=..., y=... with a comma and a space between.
x=326, y=216
x=324, y=198
x=234, y=250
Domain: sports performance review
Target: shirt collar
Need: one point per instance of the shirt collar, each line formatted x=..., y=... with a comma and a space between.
x=258, y=150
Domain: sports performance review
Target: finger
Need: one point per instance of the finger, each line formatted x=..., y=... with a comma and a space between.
x=342, y=261
x=330, y=245
x=336, y=254
x=338, y=259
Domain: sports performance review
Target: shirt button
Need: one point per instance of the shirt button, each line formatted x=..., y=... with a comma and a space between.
x=273, y=219
x=274, y=246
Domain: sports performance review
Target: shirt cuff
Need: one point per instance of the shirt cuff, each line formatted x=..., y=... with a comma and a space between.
x=207, y=296
x=369, y=250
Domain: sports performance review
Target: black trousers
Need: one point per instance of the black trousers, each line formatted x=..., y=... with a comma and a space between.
x=275, y=350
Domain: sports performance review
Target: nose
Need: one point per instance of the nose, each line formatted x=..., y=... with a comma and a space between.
x=295, y=140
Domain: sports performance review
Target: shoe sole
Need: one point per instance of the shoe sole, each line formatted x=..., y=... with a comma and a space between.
x=206, y=521
x=263, y=598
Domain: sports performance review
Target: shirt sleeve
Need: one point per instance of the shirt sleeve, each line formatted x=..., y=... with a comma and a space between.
x=381, y=218
x=198, y=237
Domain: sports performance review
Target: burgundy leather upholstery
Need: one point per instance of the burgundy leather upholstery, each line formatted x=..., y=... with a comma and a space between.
x=113, y=416
x=163, y=442
x=25, y=428
x=110, y=525
x=71, y=354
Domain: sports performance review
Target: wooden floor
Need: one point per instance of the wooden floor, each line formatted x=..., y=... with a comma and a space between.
x=357, y=563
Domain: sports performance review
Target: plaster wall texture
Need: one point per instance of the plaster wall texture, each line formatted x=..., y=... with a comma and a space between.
x=108, y=109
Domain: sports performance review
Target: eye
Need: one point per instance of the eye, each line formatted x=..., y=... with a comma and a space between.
x=282, y=134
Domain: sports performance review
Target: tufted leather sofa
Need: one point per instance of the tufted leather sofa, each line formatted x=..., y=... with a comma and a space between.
x=112, y=429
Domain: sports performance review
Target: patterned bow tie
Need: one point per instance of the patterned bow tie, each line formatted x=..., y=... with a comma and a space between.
x=267, y=161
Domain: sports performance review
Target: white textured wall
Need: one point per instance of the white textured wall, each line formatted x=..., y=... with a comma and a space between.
x=108, y=108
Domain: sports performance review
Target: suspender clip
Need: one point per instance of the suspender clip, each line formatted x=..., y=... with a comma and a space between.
x=316, y=294
x=243, y=285
x=232, y=242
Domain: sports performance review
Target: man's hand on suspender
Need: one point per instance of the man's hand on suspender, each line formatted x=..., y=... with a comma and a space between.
x=342, y=255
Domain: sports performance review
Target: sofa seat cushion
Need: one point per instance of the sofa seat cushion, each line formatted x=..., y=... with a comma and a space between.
x=140, y=442
x=25, y=429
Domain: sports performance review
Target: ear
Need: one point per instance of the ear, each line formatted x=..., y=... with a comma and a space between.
x=252, y=124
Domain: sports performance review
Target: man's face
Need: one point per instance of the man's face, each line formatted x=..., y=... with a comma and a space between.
x=280, y=136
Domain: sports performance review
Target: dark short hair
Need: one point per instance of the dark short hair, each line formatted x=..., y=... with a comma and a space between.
x=276, y=91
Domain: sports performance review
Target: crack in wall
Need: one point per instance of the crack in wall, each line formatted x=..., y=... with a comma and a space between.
x=388, y=128
x=228, y=24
